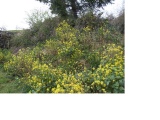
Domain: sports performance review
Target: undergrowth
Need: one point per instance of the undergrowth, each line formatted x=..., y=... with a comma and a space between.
x=73, y=61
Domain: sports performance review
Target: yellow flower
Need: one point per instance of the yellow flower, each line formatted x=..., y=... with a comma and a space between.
x=101, y=83
x=58, y=86
x=71, y=91
x=107, y=72
x=40, y=84
x=47, y=89
x=104, y=90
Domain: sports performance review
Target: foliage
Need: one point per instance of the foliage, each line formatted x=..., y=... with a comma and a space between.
x=5, y=38
x=72, y=8
x=118, y=21
x=5, y=55
x=91, y=28
x=42, y=27
x=36, y=17
x=98, y=29
x=22, y=38
x=8, y=85
x=71, y=62
x=91, y=20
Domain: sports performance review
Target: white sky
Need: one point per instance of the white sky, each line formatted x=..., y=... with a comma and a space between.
x=13, y=12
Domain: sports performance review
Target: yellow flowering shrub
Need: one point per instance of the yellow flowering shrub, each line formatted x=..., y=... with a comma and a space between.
x=48, y=80
x=109, y=76
x=68, y=84
x=110, y=72
x=70, y=63
x=22, y=63
x=43, y=78
x=65, y=32
x=66, y=50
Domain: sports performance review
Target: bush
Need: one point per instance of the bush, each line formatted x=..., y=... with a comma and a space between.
x=21, y=64
x=119, y=21
x=5, y=55
x=108, y=77
x=22, y=38
x=42, y=27
x=98, y=29
x=5, y=38
x=90, y=20
x=70, y=63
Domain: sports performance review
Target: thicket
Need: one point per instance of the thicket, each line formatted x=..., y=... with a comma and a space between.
x=86, y=60
x=43, y=27
x=66, y=56
x=119, y=21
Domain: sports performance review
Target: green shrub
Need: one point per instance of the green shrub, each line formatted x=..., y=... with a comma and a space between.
x=5, y=55
x=42, y=27
x=91, y=20
x=22, y=38
x=21, y=64
x=119, y=21
x=109, y=76
x=70, y=63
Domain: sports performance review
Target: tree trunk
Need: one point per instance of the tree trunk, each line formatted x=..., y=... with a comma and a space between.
x=74, y=8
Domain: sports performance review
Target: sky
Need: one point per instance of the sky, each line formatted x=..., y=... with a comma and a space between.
x=13, y=13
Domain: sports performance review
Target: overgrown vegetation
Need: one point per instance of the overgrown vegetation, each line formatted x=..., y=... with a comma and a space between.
x=56, y=56
x=7, y=82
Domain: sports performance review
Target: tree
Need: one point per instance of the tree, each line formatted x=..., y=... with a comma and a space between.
x=66, y=8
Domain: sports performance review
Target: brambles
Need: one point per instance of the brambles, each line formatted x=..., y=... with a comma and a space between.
x=71, y=62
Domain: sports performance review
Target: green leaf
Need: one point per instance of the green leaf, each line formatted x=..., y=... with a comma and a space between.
x=117, y=84
x=121, y=89
x=112, y=77
x=98, y=87
x=121, y=82
x=106, y=81
x=118, y=77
